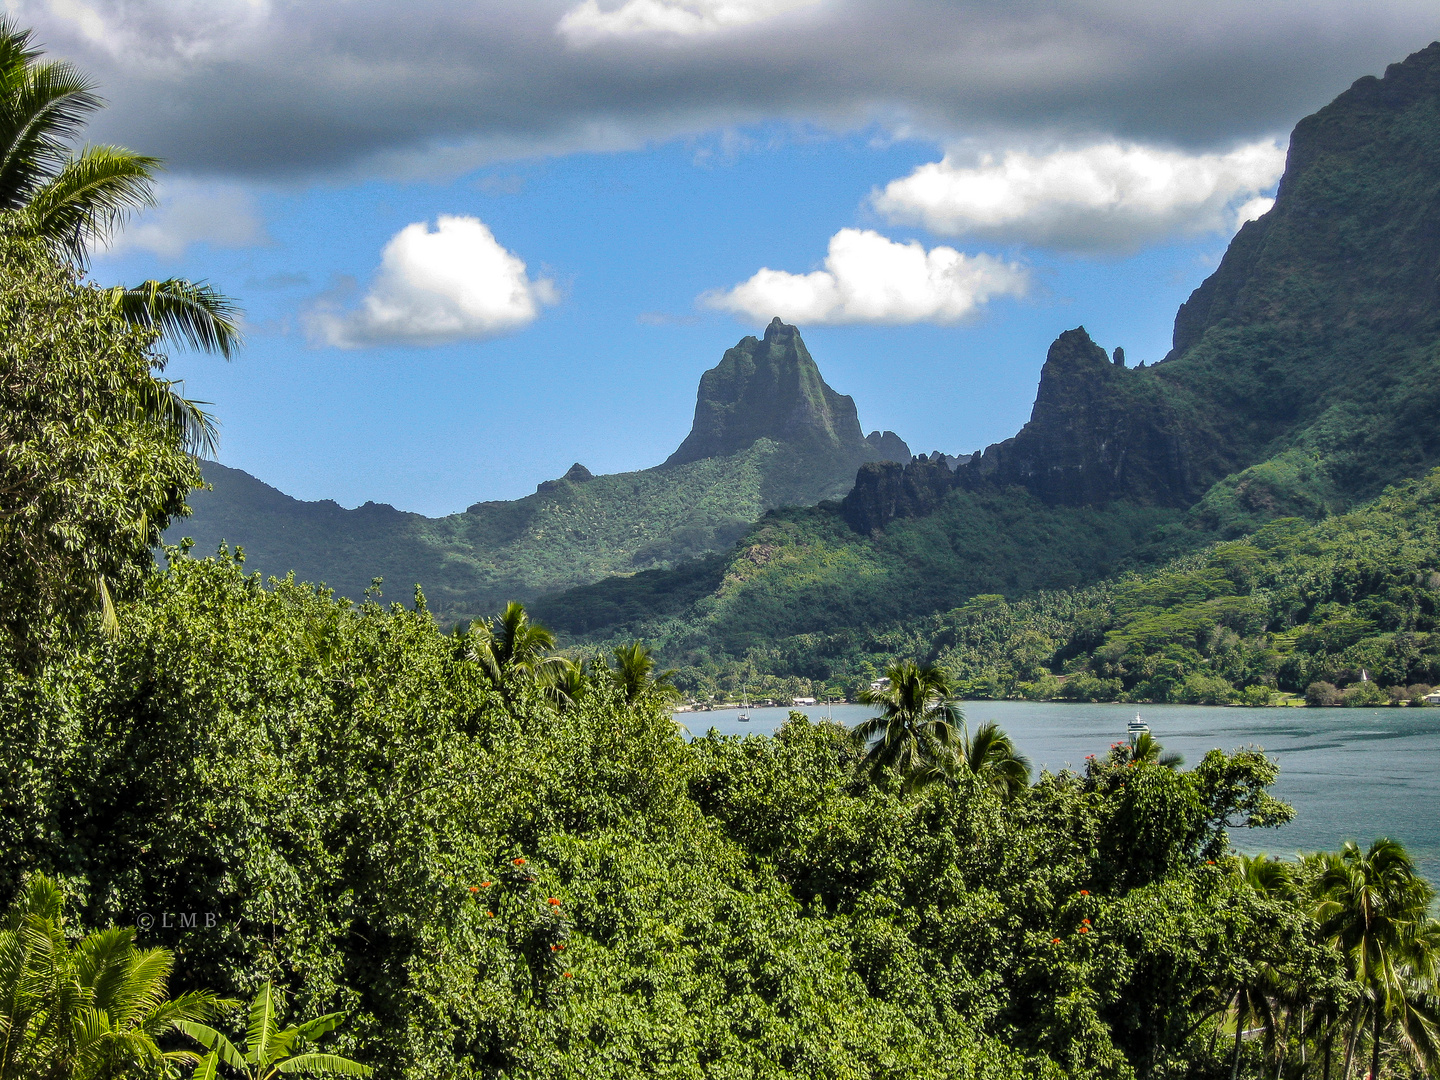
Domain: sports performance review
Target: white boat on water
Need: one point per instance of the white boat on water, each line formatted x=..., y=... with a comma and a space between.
x=744, y=716
x=1135, y=728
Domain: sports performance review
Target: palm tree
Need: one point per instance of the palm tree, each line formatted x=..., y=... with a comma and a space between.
x=990, y=755
x=565, y=682
x=916, y=733
x=271, y=1050
x=71, y=201
x=75, y=200
x=511, y=646
x=1258, y=993
x=1146, y=749
x=96, y=1009
x=635, y=675
x=1373, y=907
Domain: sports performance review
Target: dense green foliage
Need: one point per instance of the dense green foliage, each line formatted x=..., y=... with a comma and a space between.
x=90, y=470
x=94, y=1009
x=794, y=598
x=488, y=879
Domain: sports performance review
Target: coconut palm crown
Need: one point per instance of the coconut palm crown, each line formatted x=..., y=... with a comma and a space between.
x=917, y=732
x=73, y=200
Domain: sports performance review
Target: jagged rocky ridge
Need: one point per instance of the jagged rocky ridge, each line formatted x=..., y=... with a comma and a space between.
x=769, y=432
x=1304, y=374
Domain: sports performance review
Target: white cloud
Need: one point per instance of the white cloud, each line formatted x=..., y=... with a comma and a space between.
x=1108, y=195
x=1255, y=208
x=193, y=212
x=430, y=87
x=587, y=23
x=870, y=279
x=433, y=288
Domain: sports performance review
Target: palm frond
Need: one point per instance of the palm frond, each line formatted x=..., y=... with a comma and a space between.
x=91, y=195
x=190, y=313
x=42, y=109
x=157, y=401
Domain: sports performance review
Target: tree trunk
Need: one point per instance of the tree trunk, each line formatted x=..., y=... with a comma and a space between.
x=1329, y=1046
x=1239, y=1027
x=1375, y=1043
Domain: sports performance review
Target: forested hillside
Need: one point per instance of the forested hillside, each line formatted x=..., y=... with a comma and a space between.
x=1294, y=606
x=768, y=432
x=1302, y=381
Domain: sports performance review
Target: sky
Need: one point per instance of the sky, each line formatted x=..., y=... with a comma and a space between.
x=476, y=242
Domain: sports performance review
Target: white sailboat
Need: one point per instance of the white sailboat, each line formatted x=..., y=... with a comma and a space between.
x=744, y=716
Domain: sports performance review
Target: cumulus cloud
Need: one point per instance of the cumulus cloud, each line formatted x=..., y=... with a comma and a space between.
x=587, y=23
x=452, y=283
x=1108, y=195
x=261, y=88
x=194, y=212
x=868, y=278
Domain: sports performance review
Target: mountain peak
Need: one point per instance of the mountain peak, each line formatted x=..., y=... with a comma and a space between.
x=769, y=389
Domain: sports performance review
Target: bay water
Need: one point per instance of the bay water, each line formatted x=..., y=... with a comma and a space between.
x=1351, y=774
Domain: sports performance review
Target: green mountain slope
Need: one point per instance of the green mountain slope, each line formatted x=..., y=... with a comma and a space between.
x=804, y=572
x=1305, y=376
x=1352, y=601
x=579, y=528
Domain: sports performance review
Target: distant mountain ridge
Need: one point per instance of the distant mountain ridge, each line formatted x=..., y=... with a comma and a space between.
x=769, y=432
x=1304, y=378
x=1303, y=375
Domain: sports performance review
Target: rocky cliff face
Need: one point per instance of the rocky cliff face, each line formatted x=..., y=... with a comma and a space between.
x=886, y=490
x=770, y=389
x=1099, y=431
x=1305, y=372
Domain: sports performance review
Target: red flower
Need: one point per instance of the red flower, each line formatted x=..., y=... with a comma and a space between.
x=1085, y=921
x=484, y=884
x=1055, y=941
x=560, y=948
x=553, y=902
x=519, y=861
x=1084, y=892
x=569, y=975
x=1084, y=929
x=1209, y=862
x=474, y=889
x=552, y=948
x=489, y=914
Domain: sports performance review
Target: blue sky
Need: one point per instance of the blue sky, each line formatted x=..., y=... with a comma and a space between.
x=399, y=357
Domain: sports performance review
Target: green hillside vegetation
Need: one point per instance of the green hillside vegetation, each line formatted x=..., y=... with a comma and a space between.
x=1293, y=608
x=801, y=577
x=573, y=532
x=486, y=882
x=768, y=433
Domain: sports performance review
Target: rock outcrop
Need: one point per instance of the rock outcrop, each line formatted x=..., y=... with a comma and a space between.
x=771, y=389
x=886, y=490
x=576, y=474
x=1098, y=432
x=888, y=446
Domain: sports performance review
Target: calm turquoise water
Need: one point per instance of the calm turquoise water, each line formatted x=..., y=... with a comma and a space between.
x=1351, y=774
